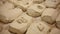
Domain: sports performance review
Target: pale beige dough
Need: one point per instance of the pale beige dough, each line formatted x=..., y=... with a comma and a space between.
x=58, y=21
x=24, y=18
x=38, y=28
x=23, y=4
x=38, y=1
x=55, y=31
x=35, y=10
x=5, y=32
x=19, y=28
x=49, y=15
x=9, y=15
x=52, y=3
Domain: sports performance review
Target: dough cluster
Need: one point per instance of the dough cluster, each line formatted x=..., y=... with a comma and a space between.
x=29, y=16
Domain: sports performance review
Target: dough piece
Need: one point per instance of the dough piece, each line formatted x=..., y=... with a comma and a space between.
x=23, y=4
x=44, y=27
x=52, y=3
x=6, y=6
x=20, y=24
x=24, y=18
x=58, y=21
x=19, y=28
x=35, y=10
x=33, y=29
x=55, y=31
x=49, y=15
x=39, y=28
x=9, y=15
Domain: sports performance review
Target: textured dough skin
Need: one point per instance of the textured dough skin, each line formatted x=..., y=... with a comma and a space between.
x=5, y=32
x=38, y=28
x=23, y=18
x=49, y=15
x=6, y=6
x=19, y=25
x=34, y=21
x=55, y=31
x=38, y=1
x=51, y=3
x=35, y=10
x=58, y=21
x=33, y=29
x=19, y=28
x=23, y=4
x=9, y=15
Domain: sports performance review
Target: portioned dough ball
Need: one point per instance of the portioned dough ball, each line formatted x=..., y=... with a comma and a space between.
x=35, y=10
x=20, y=24
x=49, y=15
x=51, y=3
x=9, y=15
x=58, y=21
x=24, y=18
x=19, y=28
x=23, y=4
x=43, y=27
x=38, y=28
x=33, y=29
